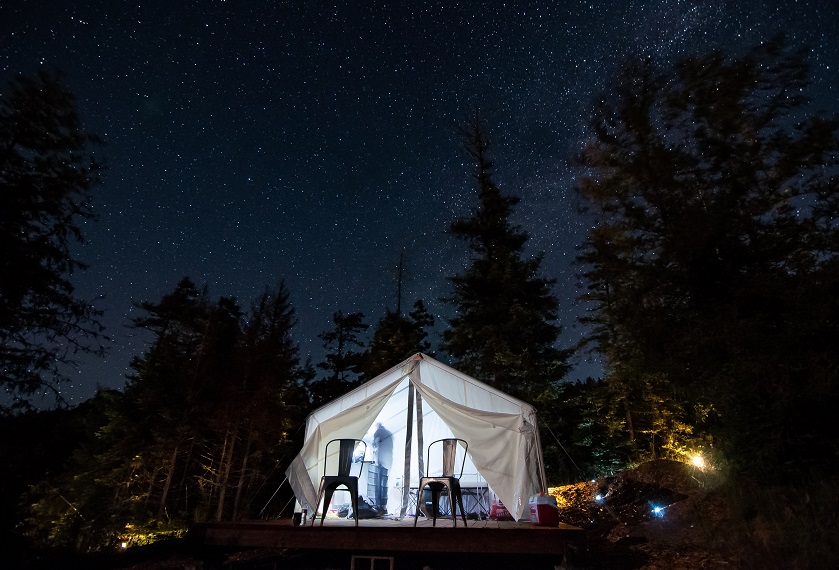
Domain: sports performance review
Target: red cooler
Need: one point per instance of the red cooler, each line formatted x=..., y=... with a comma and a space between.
x=543, y=510
x=498, y=512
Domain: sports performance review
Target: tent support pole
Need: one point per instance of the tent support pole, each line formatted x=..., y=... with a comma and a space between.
x=406, y=475
x=420, y=444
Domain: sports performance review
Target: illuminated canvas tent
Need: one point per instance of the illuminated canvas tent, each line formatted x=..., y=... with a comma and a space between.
x=419, y=401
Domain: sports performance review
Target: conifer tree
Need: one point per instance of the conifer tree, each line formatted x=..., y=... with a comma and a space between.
x=344, y=360
x=48, y=169
x=198, y=433
x=397, y=337
x=504, y=331
x=271, y=401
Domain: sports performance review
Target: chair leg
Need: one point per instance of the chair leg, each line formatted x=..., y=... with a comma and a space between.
x=435, y=503
x=454, y=502
x=460, y=504
x=453, y=496
x=317, y=503
x=327, y=499
x=419, y=499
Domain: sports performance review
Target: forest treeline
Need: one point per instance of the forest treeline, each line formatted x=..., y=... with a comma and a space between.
x=711, y=276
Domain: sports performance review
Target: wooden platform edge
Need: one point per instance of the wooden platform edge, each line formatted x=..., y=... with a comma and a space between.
x=532, y=540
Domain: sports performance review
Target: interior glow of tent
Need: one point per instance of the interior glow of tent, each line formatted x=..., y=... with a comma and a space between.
x=415, y=404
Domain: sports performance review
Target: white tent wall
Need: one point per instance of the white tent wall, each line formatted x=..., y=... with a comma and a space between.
x=353, y=422
x=500, y=430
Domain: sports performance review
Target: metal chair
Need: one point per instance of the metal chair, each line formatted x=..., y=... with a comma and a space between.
x=329, y=483
x=447, y=480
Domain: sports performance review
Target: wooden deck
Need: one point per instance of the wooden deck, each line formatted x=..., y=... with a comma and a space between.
x=394, y=536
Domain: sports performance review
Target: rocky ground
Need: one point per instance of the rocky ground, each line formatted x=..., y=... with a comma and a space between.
x=704, y=520
x=659, y=515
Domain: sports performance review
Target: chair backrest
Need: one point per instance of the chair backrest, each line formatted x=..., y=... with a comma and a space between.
x=449, y=448
x=346, y=451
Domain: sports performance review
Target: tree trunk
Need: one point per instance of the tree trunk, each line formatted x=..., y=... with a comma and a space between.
x=224, y=469
x=161, y=509
x=181, y=484
x=151, y=481
x=242, y=474
x=216, y=473
x=629, y=425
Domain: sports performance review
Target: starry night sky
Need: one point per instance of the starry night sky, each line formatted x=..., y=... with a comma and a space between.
x=312, y=142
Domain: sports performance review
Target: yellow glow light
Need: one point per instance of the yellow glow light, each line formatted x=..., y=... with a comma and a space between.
x=698, y=461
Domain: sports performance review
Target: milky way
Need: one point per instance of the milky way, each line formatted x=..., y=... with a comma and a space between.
x=313, y=142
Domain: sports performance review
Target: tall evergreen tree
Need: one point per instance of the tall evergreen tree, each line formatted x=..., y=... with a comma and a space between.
x=504, y=331
x=397, y=337
x=141, y=440
x=713, y=265
x=344, y=361
x=170, y=397
x=48, y=170
x=271, y=398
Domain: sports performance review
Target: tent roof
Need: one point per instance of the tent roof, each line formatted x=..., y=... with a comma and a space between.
x=469, y=392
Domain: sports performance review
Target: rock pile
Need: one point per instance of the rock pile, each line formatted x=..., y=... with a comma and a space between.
x=661, y=514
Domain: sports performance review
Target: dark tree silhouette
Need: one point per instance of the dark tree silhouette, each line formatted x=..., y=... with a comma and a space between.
x=199, y=433
x=713, y=267
x=270, y=401
x=344, y=361
x=48, y=170
x=397, y=337
x=504, y=331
